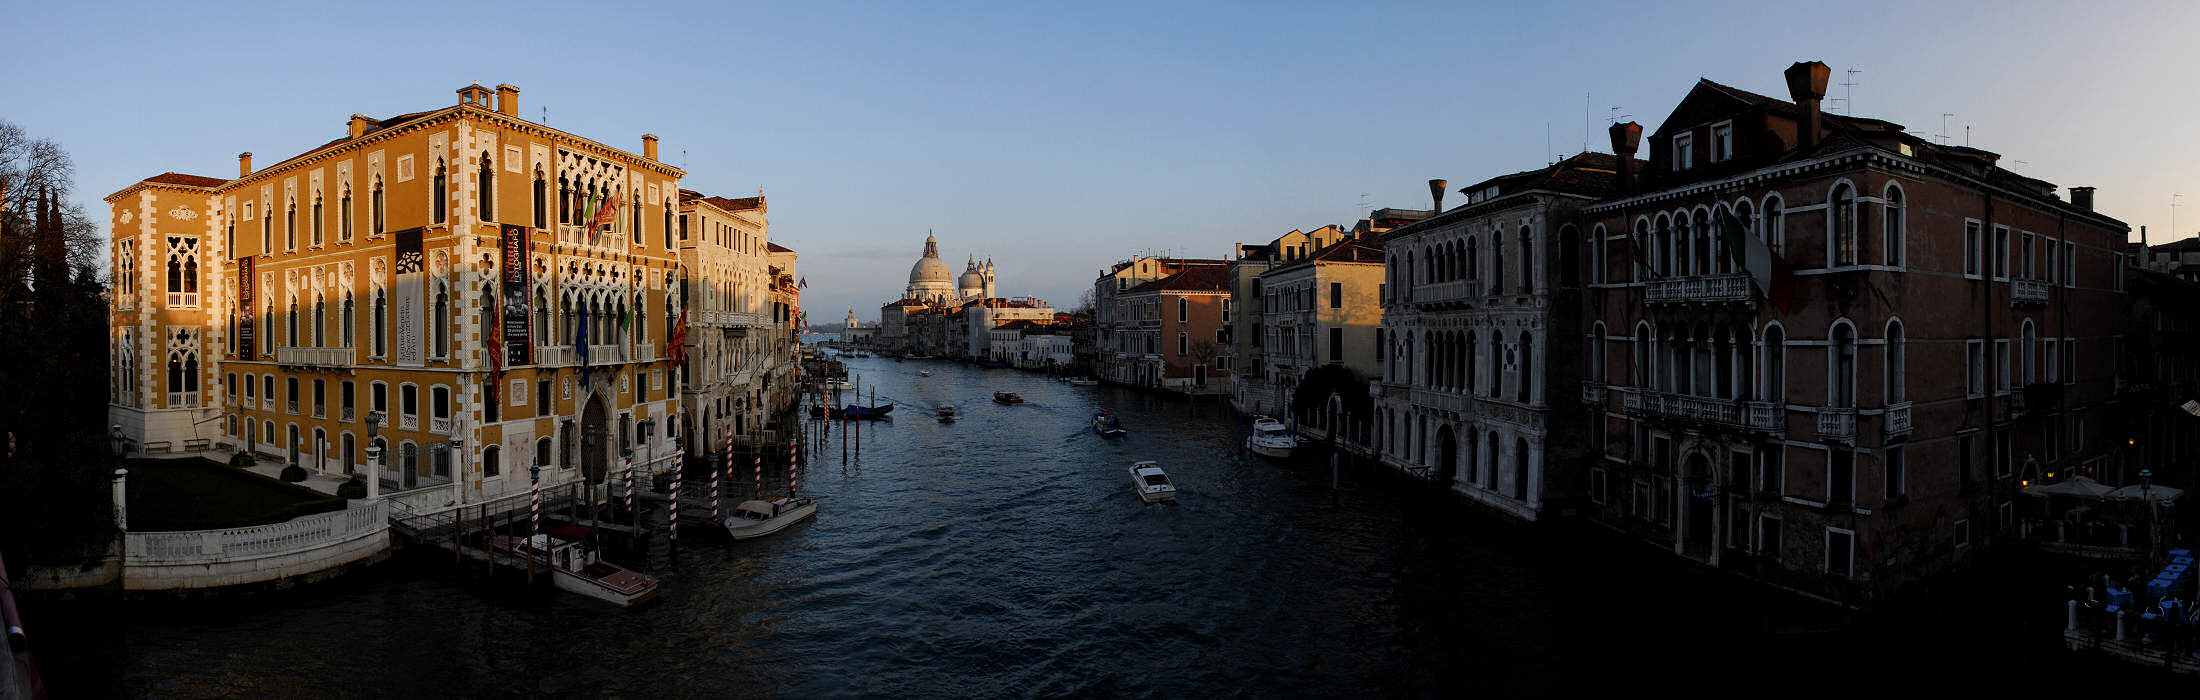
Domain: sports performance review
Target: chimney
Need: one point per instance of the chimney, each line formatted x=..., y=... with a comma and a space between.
x=1436, y=192
x=244, y=164
x=507, y=100
x=649, y=146
x=359, y=124
x=1807, y=85
x=1626, y=139
x=2082, y=197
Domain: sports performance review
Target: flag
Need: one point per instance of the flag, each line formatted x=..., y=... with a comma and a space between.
x=608, y=212
x=1770, y=272
x=678, y=342
x=496, y=359
x=580, y=341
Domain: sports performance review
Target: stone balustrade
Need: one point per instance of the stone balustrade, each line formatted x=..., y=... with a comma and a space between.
x=314, y=357
x=1837, y=423
x=1898, y=419
x=1700, y=289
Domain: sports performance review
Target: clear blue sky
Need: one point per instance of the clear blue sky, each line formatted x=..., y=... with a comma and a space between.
x=1059, y=139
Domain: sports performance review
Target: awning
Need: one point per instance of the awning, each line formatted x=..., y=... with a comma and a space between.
x=2078, y=486
x=2152, y=493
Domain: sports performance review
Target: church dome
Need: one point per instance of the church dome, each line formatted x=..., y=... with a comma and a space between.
x=971, y=280
x=930, y=278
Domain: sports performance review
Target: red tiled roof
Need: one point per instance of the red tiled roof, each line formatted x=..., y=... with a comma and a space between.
x=174, y=178
x=1203, y=278
x=777, y=248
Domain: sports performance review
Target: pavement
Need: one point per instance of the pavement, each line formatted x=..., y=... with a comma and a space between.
x=318, y=481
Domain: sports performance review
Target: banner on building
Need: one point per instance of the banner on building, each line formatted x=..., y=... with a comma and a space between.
x=409, y=265
x=519, y=350
x=247, y=339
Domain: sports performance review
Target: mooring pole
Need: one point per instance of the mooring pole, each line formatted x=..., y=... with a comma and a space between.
x=534, y=519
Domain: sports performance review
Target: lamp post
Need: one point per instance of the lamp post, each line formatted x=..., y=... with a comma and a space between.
x=2146, y=496
x=121, y=489
x=374, y=455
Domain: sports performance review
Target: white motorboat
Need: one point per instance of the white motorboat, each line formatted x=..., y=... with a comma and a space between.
x=924, y=373
x=1084, y=381
x=576, y=567
x=1151, y=483
x=1271, y=438
x=838, y=384
x=760, y=518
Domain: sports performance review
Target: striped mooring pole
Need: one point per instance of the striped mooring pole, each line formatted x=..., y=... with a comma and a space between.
x=714, y=517
x=630, y=483
x=790, y=468
x=534, y=500
x=672, y=522
x=729, y=460
x=759, y=472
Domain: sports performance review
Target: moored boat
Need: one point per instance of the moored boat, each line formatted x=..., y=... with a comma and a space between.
x=1271, y=438
x=759, y=518
x=576, y=567
x=1151, y=483
x=1084, y=381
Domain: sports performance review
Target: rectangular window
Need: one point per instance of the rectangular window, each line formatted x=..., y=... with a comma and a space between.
x=2053, y=265
x=232, y=385
x=1336, y=295
x=381, y=399
x=1336, y=345
x=1975, y=362
x=1183, y=310
x=1683, y=152
x=2070, y=360
x=1971, y=249
x=408, y=403
x=1772, y=469
x=2053, y=361
x=2117, y=273
x=320, y=398
x=2004, y=452
x=2001, y=367
x=2024, y=256
x=1961, y=534
x=349, y=400
x=1840, y=555
x=1596, y=486
x=1966, y=458
x=1840, y=477
x=2001, y=253
x=2070, y=264
x=1896, y=469
x=542, y=397
x=290, y=394
x=1722, y=142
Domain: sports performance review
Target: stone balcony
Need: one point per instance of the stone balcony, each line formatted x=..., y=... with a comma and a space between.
x=1592, y=394
x=314, y=357
x=1443, y=292
x=1734, y=287
x=1761, y=416
x=2028, y=292
x=1897, y=420
x=1441, y=400
x=553, y=355
x=1837, y=424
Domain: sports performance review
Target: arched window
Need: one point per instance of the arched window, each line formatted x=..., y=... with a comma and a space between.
x=1527, y=367
x=290, y=227
x=542, y=453
x=1497, y=366
x=1472, y=260
x=1596, y=352
x=183, y=271
x=1895, y=226
x=381, y=323
x=317, y=219
x=540, y=200
x=291, y=323
x=485, y=188
x=492, y=462
x=488, y=321
x=439, y=193
x=1841, y=224
x=320, y=321
x=1774, y=227
x=1641, y=371
x=1775, y=365
x=1520, y=469
x=1722, y=260
x=565, y=200
x=542, y=318
x=2028, y=342
x=1895, y=360
x=1527, y=260
x=381, y=213
x=1497, y=262
x=1491, y=455
x=1698, y=259
x=343, y=216
x=440, y=318
x=1841, y=362
x=1661, y=246
x=347, y=319
x=565, y=320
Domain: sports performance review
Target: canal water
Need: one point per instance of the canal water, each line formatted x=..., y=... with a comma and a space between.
x=1004, y=555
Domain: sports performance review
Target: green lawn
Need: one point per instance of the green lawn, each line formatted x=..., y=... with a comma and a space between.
x=198, y=494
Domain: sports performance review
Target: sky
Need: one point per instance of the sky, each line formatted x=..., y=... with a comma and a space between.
x=1057, y=139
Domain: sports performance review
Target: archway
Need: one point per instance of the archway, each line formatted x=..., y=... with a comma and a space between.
x=594, y=420
x=1447, y=455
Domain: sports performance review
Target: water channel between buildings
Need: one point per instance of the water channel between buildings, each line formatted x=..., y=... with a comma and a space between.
x=1005, y=555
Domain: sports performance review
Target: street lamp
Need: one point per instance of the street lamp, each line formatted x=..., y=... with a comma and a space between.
x=121, y=444
x=121, y=493
x=374, y=455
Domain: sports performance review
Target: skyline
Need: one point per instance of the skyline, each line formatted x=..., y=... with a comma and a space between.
x=1055, y=142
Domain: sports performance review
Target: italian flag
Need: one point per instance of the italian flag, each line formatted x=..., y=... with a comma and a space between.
x=1769, y=271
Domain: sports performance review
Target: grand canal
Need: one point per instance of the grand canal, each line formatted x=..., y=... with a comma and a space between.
x=1004, y=555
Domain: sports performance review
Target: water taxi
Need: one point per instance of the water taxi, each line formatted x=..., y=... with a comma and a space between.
x=1008, y=398
x=1271, y=438
x=1152, y=484
x=754, y=519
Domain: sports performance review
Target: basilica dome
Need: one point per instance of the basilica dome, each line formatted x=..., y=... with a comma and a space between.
x=930, y=278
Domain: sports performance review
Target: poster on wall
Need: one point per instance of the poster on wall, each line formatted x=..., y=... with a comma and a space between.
x=409, y=266
x=519, y=351
x=246, y=338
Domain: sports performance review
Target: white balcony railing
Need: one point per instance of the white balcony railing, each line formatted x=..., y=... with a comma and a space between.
x=439, y=426
x=1898, y=419
x=408, y=421
x=1766, y=416
x=1754, y=415
x=553, y=355
x=314, y=357
x=1701, y=289
x=1837, y=423
x=1592, y=394
x=645, y=352
x=604, y=354
x=2028, y=292
x=1440, y=400
x=1441, y=292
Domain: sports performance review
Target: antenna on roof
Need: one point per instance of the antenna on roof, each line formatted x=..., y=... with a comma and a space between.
x=1848, y=99
x=1943, y=135
x=546, y=115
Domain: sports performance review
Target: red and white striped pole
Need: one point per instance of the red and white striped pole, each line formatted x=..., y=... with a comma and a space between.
x=672, y=523
x=760, y=472
x=534, y=500
x=790, y=468
x=630, y=483
x=729, y=460
x=714, y=516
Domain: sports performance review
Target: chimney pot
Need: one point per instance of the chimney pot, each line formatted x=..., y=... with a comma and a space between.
x=358, y=126
x=2082, y=198
x=649, y=146
x=244, y=164
x=1807, y=85
x=507, y=100
x=1626, y=140
x=1436, y=193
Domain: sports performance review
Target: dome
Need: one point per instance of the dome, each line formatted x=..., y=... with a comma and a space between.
x=970, y=279
x=930, y=270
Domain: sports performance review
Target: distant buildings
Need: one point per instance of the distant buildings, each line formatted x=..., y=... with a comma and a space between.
x=948, y=316
x=1125, y=335
x=1173, y=332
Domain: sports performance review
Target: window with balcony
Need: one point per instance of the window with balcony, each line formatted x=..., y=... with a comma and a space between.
x=1841, y=363
x=347, y=400
x=408, y=406
x=183, y=272
x=290, y=395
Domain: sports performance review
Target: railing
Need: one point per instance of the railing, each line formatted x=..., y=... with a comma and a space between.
x=1766, y=416
x=314, y=357
x=645, y=352
x=439, y=426
x=408, y=422
x=1755, y=415
x=1375, y=388
x=600, y=354
x=1898, y=419
x=1837, y=423
x=580, y=235
x=1630, y=399
x=1441, y=292
x=1592, y=394
x=1709, y=288
x=1440, y=400
x=2028, y=292
x=553, y=355
x=295, y=535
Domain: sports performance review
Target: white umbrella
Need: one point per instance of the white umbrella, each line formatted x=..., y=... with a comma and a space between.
x=2152, y=493
x=2078, y=486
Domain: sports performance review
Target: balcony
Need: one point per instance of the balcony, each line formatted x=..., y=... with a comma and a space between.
x=553, y=355
x=408, y=421
x=1733, y=287
x=645, y=352
x=1592, y=394
x=580, y=235
x=1374, y=388
x=1443, y=292
x=1766, y=416
x=1760, y=416
x=1898, y=420
x=1837, y=424
x=2028, y=292
x=439, y=426
x=1440, y=400
x=314, y=357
